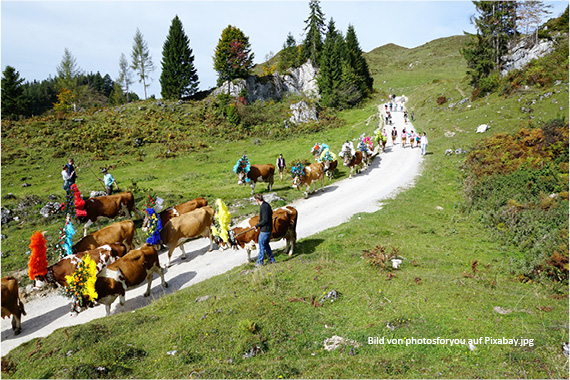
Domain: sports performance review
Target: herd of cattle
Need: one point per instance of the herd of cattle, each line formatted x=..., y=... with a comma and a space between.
x=120, y=266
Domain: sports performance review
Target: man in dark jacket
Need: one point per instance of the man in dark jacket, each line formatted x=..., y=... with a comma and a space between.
x=265, y=226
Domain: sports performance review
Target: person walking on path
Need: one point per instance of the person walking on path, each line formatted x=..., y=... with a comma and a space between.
x=404, y=136
x=280, y=165
x=265, y=226
x=424, y=142
x=108, y=180
x=66, y=178
x=394, y=135
x=71, y=171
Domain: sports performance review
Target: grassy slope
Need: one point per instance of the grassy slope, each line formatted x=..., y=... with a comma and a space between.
x=436, y=293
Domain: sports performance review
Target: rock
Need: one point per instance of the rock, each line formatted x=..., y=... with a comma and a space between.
x=482, y=128
x=303, y=112
x=332, y=295
x=6, y=216
x=2, y=237
x=500, y=310
x=138, y=142
x=202, y=299
x=565, y=349
x=95, y=194
x=448, y=152
x=269, y=198
x=521, y=55
x=396, y=263
x=336, y=341
x=26, y=184
x=449, y=134
x=50, y=208
x=52, y=197
x=438, y=208
x=253, y=351
x=9, y=196
x=460, y=151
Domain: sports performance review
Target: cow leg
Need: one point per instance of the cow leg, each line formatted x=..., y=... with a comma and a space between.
x=270, y=185
x=307, y=190
x=252, y=187
x=149, y=277
x=183, y=257
x=170, y=250
x=158, y=269
x=107, y=309
x=87, y=225
x=323, y=183
x=122, y=299
x=211, y=239
x=17, y=323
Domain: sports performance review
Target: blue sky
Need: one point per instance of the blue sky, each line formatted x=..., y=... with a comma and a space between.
x=34, y=34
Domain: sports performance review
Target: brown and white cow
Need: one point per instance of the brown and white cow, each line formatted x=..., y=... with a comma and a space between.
x=120, y=232
x=126, y=273
x=353, y=162
x=258, y=173
x=12, y=305
x=173, y=212
x=187, y=226
x=103, y=256
x=109, y=207
x=312, y=174
x=284, y=227
x=330, y=167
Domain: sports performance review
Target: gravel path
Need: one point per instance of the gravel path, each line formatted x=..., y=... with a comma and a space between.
x=390, y=172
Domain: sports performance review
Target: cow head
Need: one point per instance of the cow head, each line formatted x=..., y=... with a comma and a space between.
x=297, y=182
x=326, y=165
x=346, y=159
x=146, y=222
x=242, y=178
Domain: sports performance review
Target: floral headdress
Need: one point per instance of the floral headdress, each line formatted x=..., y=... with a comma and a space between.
x=347, y=150
x=242, y=165
x=154, y=227
x=37, y=266
x=327, y=155
x=298, y=169
x=82, y=282
x=222, y=218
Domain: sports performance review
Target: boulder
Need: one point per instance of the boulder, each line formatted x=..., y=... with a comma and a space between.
x=95, y=194
x=49, y=209
x=482, y=128
x=521, y=55
x=303, y=112
x=6, y=216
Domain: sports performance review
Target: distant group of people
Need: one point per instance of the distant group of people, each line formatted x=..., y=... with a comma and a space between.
x=69, y=177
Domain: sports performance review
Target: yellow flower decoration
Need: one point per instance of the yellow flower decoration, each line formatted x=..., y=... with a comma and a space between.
x=82, y=281
x=222, y=221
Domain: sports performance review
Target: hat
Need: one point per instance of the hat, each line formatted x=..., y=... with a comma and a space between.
x=104, y=170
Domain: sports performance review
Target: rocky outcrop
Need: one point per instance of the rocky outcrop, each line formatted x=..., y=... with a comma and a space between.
x=299, y=81
x=303, y=112
x=521, y=55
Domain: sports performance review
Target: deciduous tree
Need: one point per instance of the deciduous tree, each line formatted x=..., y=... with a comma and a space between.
x=125, y=76
x=141, y=61
x=233, y=57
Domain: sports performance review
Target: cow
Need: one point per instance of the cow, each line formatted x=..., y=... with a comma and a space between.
x=120, y=232
x=257, y=173
x=312, y=174
x=353, y=162
x=126, y=273
x=108, y=207
x=102, y=256
x=12, y=305
x=187, y=226
x=173, y=212
x=284, y=227
x=330, y=167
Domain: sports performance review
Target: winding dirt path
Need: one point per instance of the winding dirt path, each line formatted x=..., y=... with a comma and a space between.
x=390, y=172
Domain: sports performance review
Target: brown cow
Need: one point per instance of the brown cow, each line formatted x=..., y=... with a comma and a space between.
x=258, y=173
x=102, y=256
x=109, y=207
x=120, y=232
x=330, y=167
x=353, y=162
x=12, y=305
x=173, y=212
x=126, y=273
x=187, y=226
x=312, y=174
x=284, y=227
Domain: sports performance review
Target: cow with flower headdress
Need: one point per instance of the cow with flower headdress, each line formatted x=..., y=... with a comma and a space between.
x=252, y=174
x=307, y=175
x=381, y=137
x=366, y=146
x=351, y=157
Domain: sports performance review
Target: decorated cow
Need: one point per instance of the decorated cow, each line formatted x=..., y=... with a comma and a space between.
x=251, y=174
x=307, y=175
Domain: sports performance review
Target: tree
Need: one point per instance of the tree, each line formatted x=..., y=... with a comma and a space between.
x=125, y=77
x=141, y=60
x=357, y=62
x=178, y=78
x=13, y=99
x=233, y=57
x=331, y=59
x=68, y=72
x=529, y=16
x=315, y=27
x=40, y=96
x=289, y=54
x=496, y=27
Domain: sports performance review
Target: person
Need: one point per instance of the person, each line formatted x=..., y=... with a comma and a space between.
x=424, y=142
x=71, y=171
x=394, y=135
x=280, y=165
x=412, y=115
x=108, y=180
x=66, y=178
x=265, y=226
x=404, y=136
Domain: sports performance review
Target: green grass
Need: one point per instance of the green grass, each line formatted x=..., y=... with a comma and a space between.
x=438, y=292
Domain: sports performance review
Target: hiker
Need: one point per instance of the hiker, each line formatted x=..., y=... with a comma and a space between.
x=394, y=135
x=280, y=165
x=71, y=171
x=265, y=226
x=412, y=115
x=108, y=180
x=66, y=178
x=424, y=142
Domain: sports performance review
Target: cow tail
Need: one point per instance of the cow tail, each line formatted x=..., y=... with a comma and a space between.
x=21, y=306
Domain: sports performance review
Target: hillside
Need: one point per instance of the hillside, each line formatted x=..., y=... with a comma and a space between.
x=457, y=280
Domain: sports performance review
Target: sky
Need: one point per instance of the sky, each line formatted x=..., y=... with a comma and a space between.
x=35, y=34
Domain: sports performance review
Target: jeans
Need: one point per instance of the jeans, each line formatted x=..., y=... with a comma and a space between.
x=424, y=149
x=264, y=246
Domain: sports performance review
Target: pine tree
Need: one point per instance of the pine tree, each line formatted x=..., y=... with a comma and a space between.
x=289, y=54
x=332, y=57
x=141, y=60
x=179, y=78
x=314, y=29
x=68, y=72
x=233, y=57
x=357, y=62
x=13, y=100
x=125, y=77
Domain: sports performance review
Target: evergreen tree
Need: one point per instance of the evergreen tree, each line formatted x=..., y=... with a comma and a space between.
x=125, y=77
x=332, y=57
x=496, y=26
x=141, y=61
x=13, y=99
x=41, y=96
x=289, y=54
x=233, y=57
x=357, y=62
x=178, y=78
x=68, y=72
x=314, y=29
